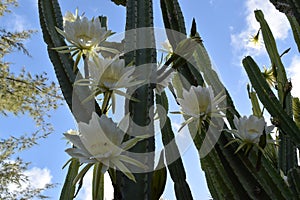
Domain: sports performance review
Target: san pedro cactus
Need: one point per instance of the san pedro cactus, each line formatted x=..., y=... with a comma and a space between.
x=240, y=158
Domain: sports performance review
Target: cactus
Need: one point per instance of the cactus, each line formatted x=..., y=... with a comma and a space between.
x=50, y=17
x=287, y=149
x=159, y=178
x=232, y=172
x=139, y=15
x=119, y=2
x=289, y=7
x=176, y=168
x=296, y=30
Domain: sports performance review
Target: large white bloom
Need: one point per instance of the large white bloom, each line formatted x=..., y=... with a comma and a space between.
x=249, y=130
x=101, y=141
x=70, y=17
x=167, y=47
x=199, y=103
x=109, y=76
x=84, y=35
x=164, y=78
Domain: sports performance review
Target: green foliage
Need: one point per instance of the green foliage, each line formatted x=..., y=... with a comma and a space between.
x=12, y=170
x=27, y=94
x=4, y=5
x=10, y=41
x=24, y=93
x=21, y=93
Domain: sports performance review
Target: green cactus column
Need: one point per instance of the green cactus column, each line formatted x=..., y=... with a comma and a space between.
x=140, y=14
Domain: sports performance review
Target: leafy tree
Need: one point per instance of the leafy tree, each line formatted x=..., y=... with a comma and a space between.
x=21, y=94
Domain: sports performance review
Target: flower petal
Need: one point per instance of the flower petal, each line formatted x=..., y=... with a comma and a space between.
x=123, y=169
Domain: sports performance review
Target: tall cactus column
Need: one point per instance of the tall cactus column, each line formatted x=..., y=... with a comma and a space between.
x=139, y=15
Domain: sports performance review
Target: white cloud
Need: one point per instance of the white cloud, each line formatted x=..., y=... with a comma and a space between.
x=17, y=23
x=277, y=21
x=86, y=191
x=294, y=73
x=37, y=178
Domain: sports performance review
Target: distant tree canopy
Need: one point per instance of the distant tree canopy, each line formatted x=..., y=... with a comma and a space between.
x=21, y=93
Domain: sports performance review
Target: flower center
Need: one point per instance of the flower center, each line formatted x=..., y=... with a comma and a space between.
x=85, y=40
x=252, y=131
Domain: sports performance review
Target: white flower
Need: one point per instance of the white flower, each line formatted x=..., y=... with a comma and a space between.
x=72, y=132
x=109, y=76
x=70, y=16
x=101, y=141
x=166, y=47
x=164, y=78
x=249, y=130
x=199, y=103
x=84, y=35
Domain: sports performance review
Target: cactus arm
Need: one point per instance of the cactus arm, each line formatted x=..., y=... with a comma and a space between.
x=174, y=21
x=119, y=2
x=269, y=100
x=293, y=180
x=241, y=173
x=176, y=168
x=98, y=182
x=291, y=8
x=50, y=17
x=288, y=7
x=68, y=189
x=295, y=5
x=296, y=30
x=218, y=181
x=296, y=109
x=272, y=50
x=159, y=179
x=140, y=14
x=287, y=151
x=256, y=110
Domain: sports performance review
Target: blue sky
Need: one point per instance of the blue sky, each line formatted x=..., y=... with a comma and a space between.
x=225, y=27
